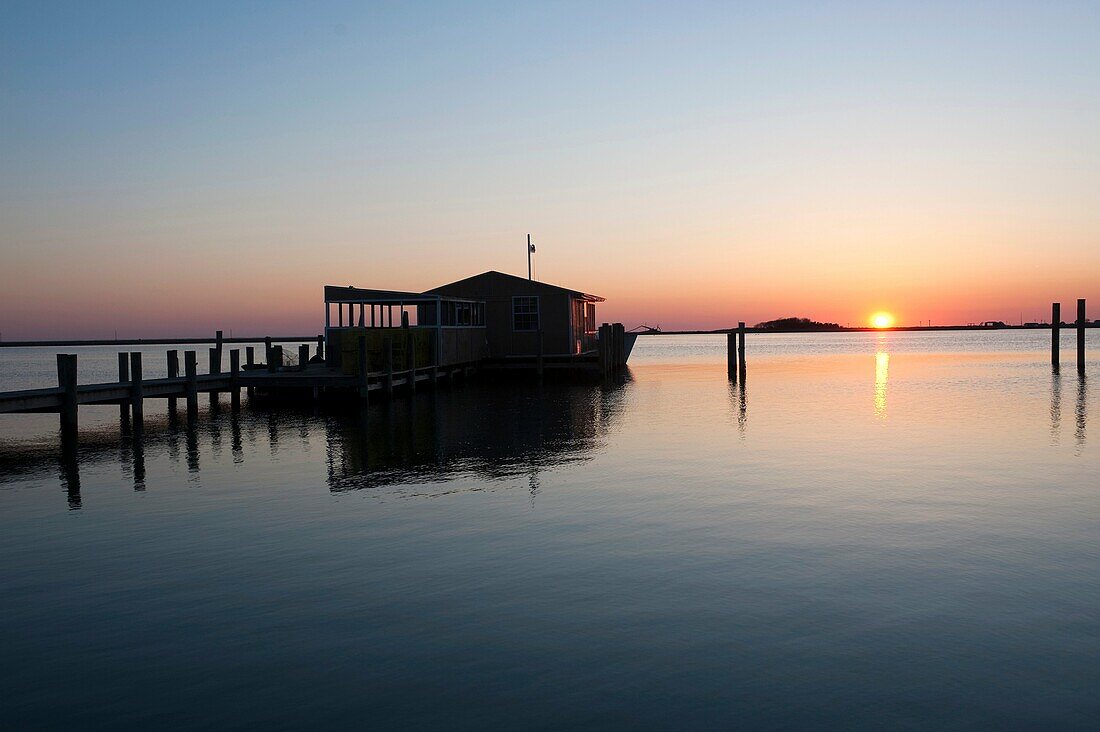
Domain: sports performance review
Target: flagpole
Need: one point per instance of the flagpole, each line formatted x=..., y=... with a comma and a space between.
x=528, y=256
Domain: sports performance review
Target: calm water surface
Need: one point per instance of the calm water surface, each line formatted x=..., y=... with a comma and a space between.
x=876, y=530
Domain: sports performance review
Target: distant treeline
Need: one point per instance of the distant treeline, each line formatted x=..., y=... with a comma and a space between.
x=799, y=324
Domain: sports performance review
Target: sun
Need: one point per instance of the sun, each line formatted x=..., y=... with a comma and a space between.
x=882, y=319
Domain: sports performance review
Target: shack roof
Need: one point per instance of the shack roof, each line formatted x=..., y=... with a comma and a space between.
x=337, y=293
x=503, y=278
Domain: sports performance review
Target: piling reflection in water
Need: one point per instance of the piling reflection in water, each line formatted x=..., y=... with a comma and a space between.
x=1081, y=412
x=488, y=432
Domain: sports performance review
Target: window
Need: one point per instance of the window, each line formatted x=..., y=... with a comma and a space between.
x=464, y=314
x=525, y=313
x=590, y=317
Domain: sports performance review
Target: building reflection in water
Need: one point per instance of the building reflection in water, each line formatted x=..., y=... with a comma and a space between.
x=882, y=375
x=490, y=433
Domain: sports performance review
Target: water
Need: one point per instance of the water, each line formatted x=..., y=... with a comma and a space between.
x=877, y=530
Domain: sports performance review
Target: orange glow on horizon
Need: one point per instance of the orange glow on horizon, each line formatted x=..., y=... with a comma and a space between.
x=882, y=319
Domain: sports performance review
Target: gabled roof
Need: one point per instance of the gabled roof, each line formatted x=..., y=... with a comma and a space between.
x=505, y=276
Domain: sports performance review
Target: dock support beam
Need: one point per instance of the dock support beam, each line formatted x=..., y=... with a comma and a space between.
x=731, y=356
x=173, y=373
x=66, y=379
x=191, y=388
x=410, y=358
x=303, y=356
x=1081, y=336
x=268, y=354
x=320, y=348
x=235, y=378
x=540, y=355
x=387, y=363
x=741, y=349
x=363, y=371
x=124, y=378
x=250, y=355
x=136, y=394
x=1055, y=334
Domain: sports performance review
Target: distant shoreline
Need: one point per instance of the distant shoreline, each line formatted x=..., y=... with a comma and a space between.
x=719, y=331
x=868, y=329
x=151, y=341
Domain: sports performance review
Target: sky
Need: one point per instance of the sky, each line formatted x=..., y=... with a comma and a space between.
x=172, y=169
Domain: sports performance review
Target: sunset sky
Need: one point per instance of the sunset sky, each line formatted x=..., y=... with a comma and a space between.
x=168, y=171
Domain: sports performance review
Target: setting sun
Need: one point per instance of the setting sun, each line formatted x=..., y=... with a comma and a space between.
x=882, y=320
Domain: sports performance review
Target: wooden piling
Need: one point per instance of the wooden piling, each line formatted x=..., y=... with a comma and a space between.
x=235, y=378
x=276, y=358
x=1055, y=334
x=173, y=358
x=136, y=394
x=540, y=354
x=303, y=356
x=215, y=361
x=66, y=379
x=619, y=331
x=387, y=363
x=124, y=378
x=250, y=355
x=1081, y=336
x=363, y=371
x=267, y=351
x=191, y=387
x=410, y=361
x=433, y=349
x=731, y=356
x=218, y=342
x=741, y=349
x=321, y=348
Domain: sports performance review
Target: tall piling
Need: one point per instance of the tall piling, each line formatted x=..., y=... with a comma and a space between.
x=731, y=356
x=173, y=373
x=1081, y=336
x=267, y=352
x=66, y=379
x=215, y=361
x=741, y=349
x=1055, y=334
x=540, y=365
x=191, y=387
x=124, y=378
x=387, y=363
x=303, y=356
x=410, y=358
x=363, y=372
x=137, y=396
x=235, y=378
x=320, y=348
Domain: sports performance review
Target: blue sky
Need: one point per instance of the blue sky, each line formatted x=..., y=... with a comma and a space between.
x=830, y=158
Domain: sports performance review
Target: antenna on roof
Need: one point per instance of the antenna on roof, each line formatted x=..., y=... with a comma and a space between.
x=530, y=251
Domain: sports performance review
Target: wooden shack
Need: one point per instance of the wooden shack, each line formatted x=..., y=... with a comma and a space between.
x=521, y=313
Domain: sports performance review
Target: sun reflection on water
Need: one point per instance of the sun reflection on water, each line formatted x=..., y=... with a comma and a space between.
x=882, y=373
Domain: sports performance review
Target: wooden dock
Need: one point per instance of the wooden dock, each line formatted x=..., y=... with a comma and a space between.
x=131, y=390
